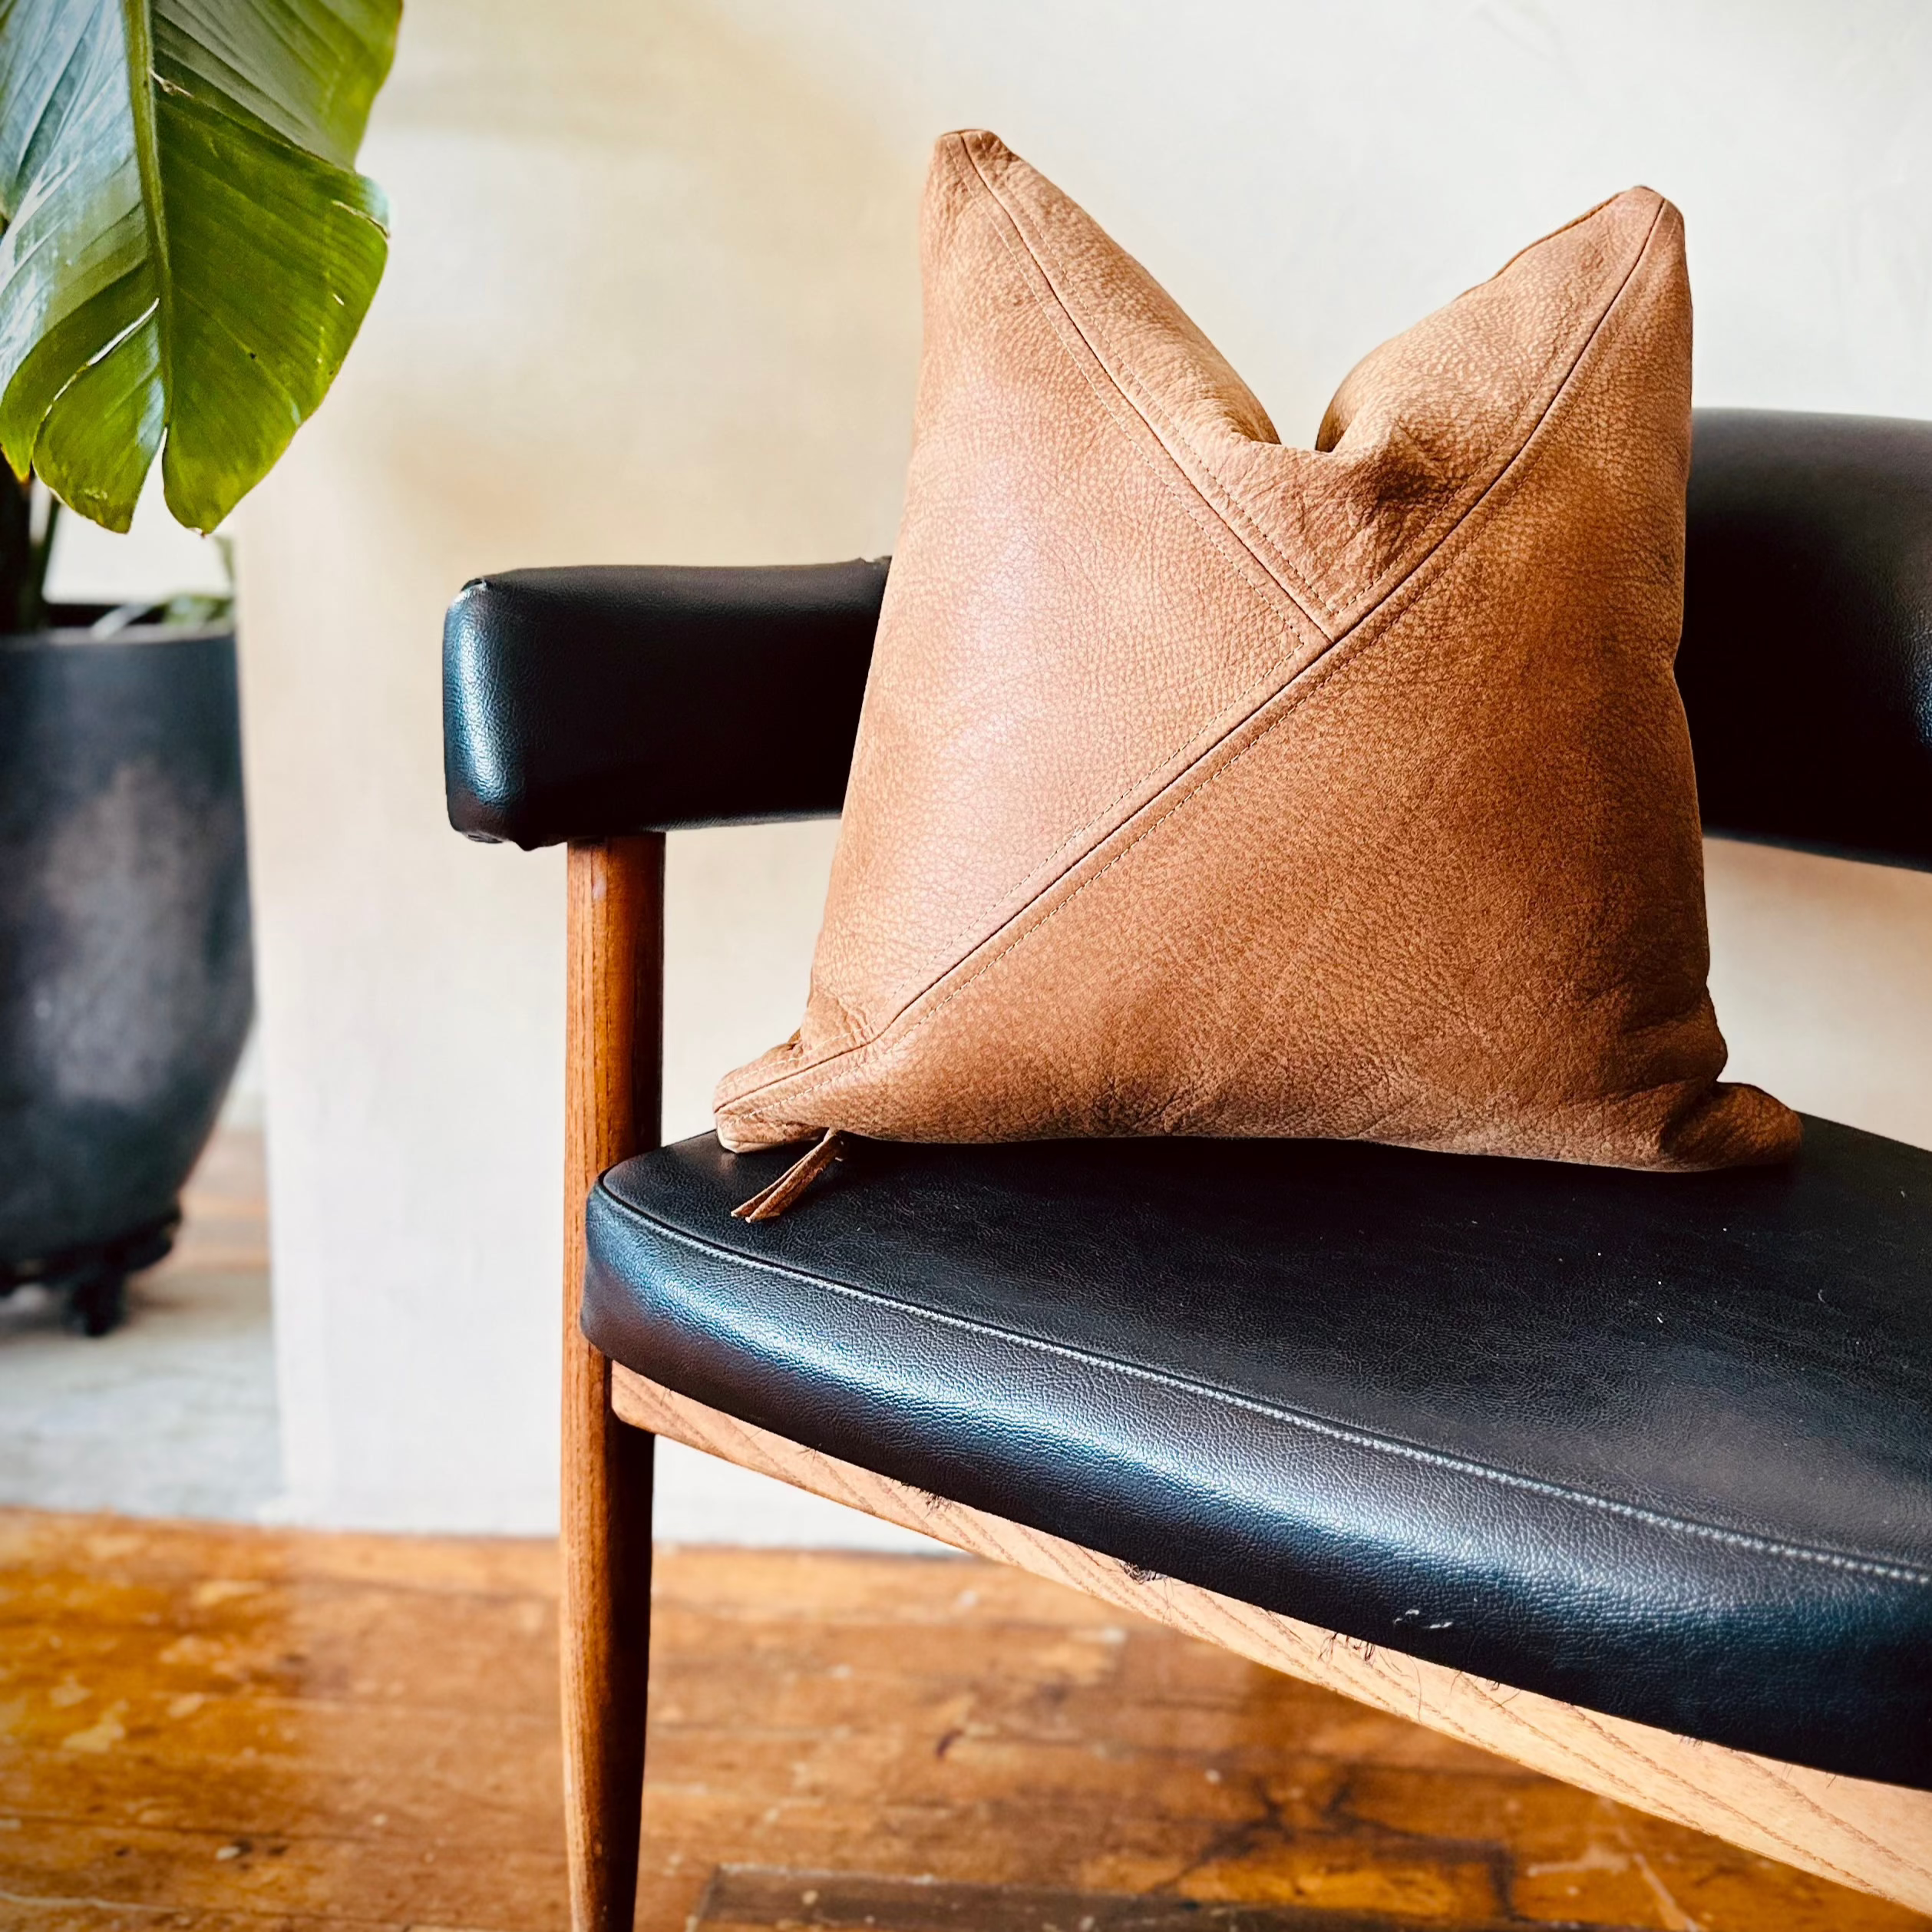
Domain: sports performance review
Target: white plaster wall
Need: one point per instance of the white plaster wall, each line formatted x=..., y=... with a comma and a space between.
x=653, y=297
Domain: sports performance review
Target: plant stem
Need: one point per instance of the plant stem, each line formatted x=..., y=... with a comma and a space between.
x=25, y=552
x=33, y=590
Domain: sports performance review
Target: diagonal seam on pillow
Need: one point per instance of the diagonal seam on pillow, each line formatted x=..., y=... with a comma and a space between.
x=1173, y=768
x=988, y=952
x=1061, y=315
x=1222, y=505
x=1460, y=906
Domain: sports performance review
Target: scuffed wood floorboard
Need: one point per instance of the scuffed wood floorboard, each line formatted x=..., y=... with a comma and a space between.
x=225, y=1730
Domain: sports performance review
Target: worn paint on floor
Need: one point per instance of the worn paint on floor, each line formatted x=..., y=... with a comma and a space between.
x=209, y=1728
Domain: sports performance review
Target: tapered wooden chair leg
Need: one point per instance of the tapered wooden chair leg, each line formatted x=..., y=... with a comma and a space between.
x=606, y=1655
x=614, y=1050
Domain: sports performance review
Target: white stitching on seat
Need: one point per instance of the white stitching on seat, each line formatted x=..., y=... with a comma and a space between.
x=1358, y=1438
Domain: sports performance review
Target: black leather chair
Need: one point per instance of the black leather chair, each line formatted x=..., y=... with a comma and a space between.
x=1627, y=1477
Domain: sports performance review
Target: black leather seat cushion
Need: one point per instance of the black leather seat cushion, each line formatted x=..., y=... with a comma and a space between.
x=1661, y=1446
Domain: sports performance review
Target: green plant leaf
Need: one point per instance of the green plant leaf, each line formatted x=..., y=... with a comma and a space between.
x=188, y=252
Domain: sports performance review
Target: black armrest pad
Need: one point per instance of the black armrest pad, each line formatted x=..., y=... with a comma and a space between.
x=1806, y=665
x=581, y=704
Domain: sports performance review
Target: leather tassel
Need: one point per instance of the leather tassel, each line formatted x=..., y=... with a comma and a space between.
x=769, y=1203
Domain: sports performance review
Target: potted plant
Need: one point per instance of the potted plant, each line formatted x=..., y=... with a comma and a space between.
x=187, y=254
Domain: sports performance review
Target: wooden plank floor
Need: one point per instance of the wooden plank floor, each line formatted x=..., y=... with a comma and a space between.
x=215, y=1729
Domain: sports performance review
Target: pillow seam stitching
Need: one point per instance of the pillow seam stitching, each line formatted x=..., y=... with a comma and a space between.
x=1339, y=651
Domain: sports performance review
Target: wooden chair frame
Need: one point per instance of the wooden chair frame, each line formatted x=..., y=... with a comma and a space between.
x=1877, y=1837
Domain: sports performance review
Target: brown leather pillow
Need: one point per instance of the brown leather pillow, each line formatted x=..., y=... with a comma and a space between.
x=1207, y=786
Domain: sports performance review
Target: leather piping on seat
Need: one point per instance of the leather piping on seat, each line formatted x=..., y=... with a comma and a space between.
x=1393, y=1446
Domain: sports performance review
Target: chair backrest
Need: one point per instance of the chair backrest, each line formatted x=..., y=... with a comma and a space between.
x=583, y=703
x=1806, y=665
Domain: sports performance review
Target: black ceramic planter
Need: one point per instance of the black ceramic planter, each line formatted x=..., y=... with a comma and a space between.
x=126, y=979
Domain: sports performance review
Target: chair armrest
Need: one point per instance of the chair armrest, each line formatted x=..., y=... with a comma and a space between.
x=584, y=704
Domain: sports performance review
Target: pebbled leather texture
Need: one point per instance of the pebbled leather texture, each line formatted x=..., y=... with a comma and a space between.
x=1658, y=1449
x=583, y=703
x=1807, y=659
x=1207, y=786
